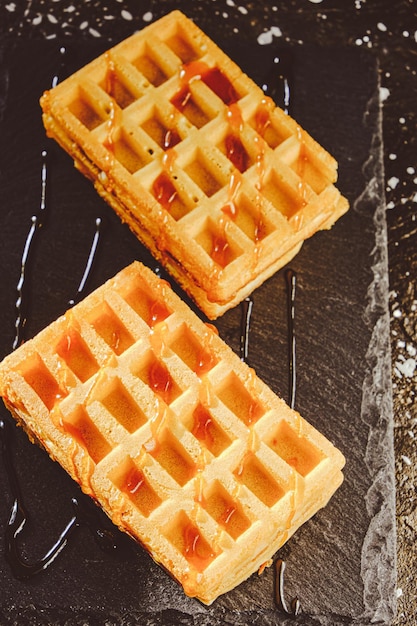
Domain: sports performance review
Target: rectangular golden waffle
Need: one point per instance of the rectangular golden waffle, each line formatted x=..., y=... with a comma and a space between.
x=178, y=440
x=220, y=184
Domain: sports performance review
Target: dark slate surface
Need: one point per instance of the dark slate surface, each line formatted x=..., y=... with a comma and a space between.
x=341, y=564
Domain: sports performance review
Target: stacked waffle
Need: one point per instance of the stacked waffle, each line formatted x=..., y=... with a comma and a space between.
x=220, y=184
x=178, y=440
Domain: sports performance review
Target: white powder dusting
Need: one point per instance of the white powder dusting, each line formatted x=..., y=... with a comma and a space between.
x=267, y=36
x=383, y=94
x=364, y=40
x=126, y=15
x=94, y=32
x=412, y=350
x=405, y=367
x=393, y=182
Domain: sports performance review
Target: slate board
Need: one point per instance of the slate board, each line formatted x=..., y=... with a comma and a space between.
x=341, y=564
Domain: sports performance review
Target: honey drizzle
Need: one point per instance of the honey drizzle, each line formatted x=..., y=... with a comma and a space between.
x=37, y=222
x=206, y=358
x=295, y=606
x=220, y=246
x=89, y=264
x=156, y=425
x=262, y=121
x=114, y=112
x=246, y=315
x=291, y=280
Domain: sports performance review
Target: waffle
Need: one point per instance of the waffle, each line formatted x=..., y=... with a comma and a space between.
x=177, y=439
x=220, y=184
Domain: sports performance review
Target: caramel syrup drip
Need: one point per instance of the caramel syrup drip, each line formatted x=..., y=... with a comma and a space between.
x=236, y=153
x=205, y=361
x=203, y=427
x=262, y=122
x=212, y=77
x=291, y=280
x=112, y=123
x=158, y=310
x=37, y=222
x=220, y=248
x=246, y=308
x=161, y=381
x=295, y=606
x=89, y=264
x=164, y=191
x=198, y=552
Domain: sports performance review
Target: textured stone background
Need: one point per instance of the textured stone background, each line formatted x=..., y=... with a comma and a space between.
x=390, y=31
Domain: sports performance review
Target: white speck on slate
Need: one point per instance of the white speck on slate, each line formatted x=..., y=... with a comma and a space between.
x=383, y=94
x=126, y=15
x=267, y=36
x=393, y=182
x=405, y=367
